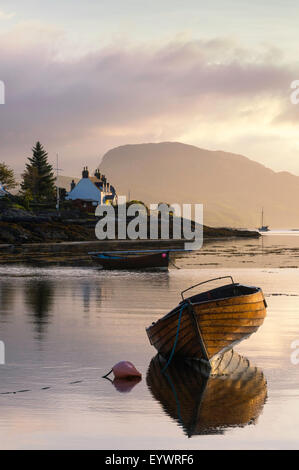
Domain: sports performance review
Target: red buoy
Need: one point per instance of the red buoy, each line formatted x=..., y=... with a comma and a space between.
x=125, y=370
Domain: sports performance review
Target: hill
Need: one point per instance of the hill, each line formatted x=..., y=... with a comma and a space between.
x=232, y=187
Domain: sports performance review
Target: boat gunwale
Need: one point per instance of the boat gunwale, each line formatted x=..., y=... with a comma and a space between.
x=177, y=308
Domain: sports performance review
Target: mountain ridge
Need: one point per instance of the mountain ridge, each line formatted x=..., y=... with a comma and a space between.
x=232, y=187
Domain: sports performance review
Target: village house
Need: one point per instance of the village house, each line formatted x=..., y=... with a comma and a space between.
x=3, y=191
x=92, y=191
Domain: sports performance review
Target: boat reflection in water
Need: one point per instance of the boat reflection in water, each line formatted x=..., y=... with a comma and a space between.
x=124, y=385
x=232, y=394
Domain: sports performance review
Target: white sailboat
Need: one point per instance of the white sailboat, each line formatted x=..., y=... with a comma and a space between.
x=263, y=228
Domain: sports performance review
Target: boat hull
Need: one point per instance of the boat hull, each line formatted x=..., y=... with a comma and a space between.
x=148, y=261
x=208, y=328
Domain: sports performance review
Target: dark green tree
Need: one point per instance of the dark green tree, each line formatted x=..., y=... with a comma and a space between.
x=38, y=178
x=7, y=177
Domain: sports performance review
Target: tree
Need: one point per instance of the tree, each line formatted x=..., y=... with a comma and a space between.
x=7, y=177
x=38, y=178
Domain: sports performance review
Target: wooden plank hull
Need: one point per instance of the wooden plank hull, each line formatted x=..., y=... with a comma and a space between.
x=232, y=395
x=209, y=328
x=134, y=261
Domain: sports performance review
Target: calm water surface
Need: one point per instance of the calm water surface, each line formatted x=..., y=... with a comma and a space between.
x=64, y=328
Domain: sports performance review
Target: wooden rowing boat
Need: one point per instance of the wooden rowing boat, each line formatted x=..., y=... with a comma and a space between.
x=133, y=260
x=232, y=395
x=210, y=323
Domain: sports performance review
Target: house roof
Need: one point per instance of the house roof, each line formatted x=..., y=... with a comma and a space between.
x=3, y=191
x=90, y=188
x=85, y=190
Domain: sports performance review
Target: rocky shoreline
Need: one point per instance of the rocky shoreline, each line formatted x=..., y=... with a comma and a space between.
x=47, y=239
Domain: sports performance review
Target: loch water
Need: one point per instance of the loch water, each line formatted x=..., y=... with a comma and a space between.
x=64, y=328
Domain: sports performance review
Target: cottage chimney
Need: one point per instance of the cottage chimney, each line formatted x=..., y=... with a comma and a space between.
x=73, y=185
x=97, y=174
x=85, y=172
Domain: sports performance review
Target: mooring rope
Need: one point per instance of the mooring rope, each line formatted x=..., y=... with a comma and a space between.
x=176, y=398
x=184, y=305
x=106, y=375
x=173, y=264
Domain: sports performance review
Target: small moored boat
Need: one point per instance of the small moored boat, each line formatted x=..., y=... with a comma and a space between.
x=208, y=324
x=263, y=228
x=132, y=259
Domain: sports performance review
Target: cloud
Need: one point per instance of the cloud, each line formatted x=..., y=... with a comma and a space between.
x=119, y=94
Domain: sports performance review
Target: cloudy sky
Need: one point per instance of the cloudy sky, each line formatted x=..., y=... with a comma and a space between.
x=84, y=76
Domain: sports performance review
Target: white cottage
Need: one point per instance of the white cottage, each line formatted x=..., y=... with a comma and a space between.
x=3, y=191
x=89, y=192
